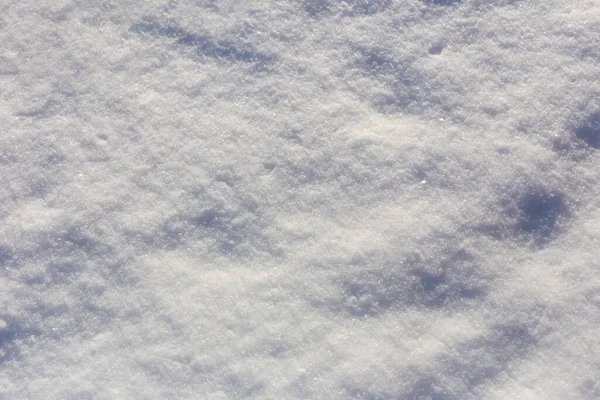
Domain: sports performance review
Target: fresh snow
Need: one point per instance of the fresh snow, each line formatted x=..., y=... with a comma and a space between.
x=315, y=199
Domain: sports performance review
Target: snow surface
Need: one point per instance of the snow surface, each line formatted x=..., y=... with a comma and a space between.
x=316, y=199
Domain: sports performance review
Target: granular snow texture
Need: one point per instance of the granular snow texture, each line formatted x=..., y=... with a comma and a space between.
x=315, y=199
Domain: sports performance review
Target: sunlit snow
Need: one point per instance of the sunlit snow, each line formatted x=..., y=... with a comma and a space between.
x=311, y=199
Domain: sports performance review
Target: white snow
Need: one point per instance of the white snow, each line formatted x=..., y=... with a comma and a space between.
x=316, y=199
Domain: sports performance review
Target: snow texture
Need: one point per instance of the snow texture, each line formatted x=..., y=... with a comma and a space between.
x=314, y=199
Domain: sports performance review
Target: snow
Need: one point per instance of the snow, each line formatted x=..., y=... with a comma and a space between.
x=318, y=199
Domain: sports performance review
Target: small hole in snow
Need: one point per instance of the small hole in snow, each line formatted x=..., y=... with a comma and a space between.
x=589, y=132
x=436, y=49
x=540, y=213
